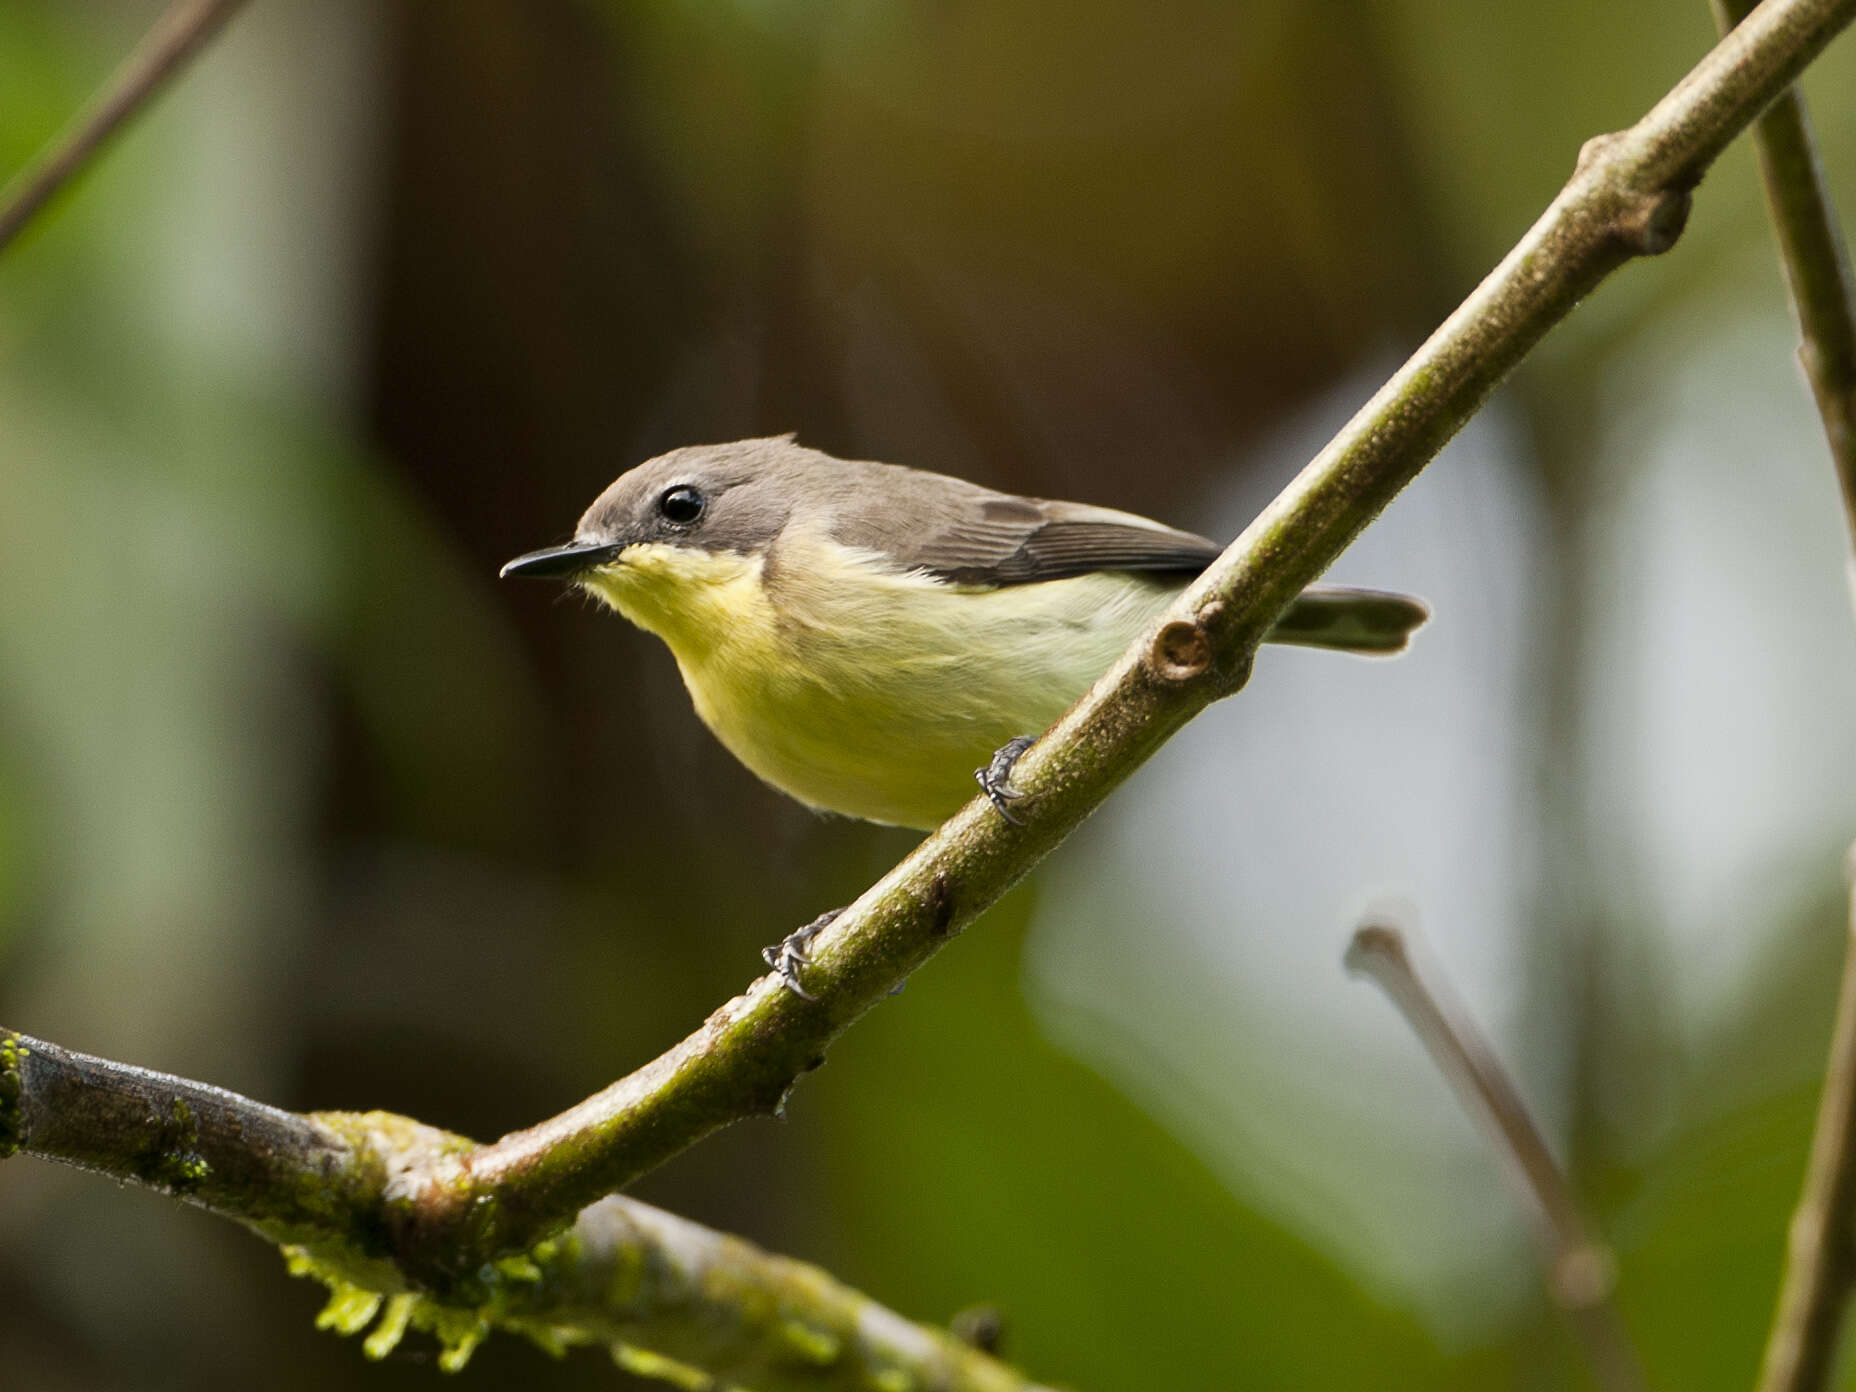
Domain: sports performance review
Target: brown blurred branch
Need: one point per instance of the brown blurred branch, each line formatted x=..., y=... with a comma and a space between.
x=669, y=1297
x=1579, y=1269
x=1820, y=1261
x=1820, y=1267
x=183, y=29
x=1817, y=266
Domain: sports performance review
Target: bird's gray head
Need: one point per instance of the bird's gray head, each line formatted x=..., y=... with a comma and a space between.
x=729, y=499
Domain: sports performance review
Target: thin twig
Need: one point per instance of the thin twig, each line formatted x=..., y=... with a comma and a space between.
x=1579, y=1268
x=1820, y=1260
x=183, y=29
x=1817, y=266
x=669, y=1296
x=1820, y=1267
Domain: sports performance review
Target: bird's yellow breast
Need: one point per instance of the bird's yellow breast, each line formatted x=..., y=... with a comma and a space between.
x=860, y=690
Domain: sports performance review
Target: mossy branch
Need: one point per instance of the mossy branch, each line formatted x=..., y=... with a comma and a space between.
x=669, y=1298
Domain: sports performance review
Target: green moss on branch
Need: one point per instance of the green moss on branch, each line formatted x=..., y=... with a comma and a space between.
x=331, y=1190
x=13, y=1053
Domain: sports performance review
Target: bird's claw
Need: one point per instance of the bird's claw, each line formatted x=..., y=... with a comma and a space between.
x=995, y=779
x=789, y=954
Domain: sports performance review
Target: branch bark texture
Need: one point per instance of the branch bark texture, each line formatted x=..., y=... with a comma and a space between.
x=1820, y=1259
x=671, y=1299
x=1820, y=1264
x=1628, y=197
x=404, y=1208
x=182, y=31
x=1817, y=266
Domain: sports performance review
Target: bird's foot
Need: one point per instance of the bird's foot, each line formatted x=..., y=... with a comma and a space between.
x=789, y=954
x=995, y=779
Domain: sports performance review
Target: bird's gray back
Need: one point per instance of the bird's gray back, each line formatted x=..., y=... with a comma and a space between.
x=920, y=521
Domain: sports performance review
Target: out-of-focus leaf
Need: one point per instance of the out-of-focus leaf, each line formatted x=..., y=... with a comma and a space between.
x=1117, y=1259
x=12, y=853
x=1700, y=1248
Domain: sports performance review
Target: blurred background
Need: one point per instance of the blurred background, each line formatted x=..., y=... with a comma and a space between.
x=297, y=799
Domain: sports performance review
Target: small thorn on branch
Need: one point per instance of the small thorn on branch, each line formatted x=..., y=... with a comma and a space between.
x=1580, y=1271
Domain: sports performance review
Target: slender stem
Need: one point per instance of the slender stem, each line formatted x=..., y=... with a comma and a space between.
x=1820, y=1264
x=183, y=29
x=1579, y=1269
x=1817, y=265
x=1820, y=1268
x=669, y=1296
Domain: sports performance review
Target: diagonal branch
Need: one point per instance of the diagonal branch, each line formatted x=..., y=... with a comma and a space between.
x=1628, y=197
x=1817, y=266
x=671, y=1299
x=1580, y=1271
x=183, y=29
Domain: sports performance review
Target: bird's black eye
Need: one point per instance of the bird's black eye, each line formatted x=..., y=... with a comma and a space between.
x=681, y=505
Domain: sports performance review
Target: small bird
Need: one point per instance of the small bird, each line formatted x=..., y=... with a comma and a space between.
x=863, y=635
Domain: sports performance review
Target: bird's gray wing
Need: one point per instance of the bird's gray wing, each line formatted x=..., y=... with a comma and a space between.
x=998, y=539
x=967, y=535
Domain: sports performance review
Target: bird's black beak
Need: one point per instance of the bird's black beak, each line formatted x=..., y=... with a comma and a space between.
x=561, y=562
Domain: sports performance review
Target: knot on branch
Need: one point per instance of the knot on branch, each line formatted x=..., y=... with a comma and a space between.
x=1643, y=222
x=420, y=1202
x=1180, y=652
x=1649, y=223
x=939, y=902
x=1596, y=149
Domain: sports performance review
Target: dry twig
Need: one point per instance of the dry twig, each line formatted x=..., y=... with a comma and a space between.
x=1820, y=1268
x=183, y=29
x=1580, y=1272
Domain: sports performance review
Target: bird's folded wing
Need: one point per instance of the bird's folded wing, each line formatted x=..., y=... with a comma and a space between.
x=1003, y=540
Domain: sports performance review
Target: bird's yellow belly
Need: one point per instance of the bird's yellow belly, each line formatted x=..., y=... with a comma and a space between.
x=885, y=712
x=879, y=760
x=876, y=695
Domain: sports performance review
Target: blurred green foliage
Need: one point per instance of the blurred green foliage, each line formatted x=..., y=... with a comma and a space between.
x=295, y=799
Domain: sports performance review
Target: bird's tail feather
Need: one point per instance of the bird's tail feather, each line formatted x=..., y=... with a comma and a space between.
x=1370, y=622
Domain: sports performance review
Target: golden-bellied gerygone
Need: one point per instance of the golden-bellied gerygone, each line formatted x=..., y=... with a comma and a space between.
x=861, y=635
